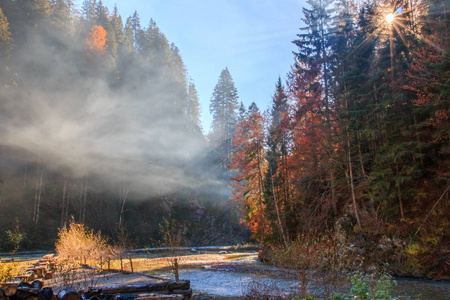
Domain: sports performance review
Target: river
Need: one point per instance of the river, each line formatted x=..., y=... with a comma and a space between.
x=228, y=282
x=229, y=285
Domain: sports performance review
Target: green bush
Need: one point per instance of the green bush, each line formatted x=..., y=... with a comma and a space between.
x=372, y=287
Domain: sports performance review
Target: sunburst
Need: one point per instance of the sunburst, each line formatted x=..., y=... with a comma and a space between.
x=401, y=17
x=398, y=18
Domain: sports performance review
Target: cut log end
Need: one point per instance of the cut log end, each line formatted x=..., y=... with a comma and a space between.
x=68, y=294
x=10, y=290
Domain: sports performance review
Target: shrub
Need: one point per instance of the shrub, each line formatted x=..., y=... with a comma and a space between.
x=261, y=290
x=325, y=258
x=372, y=287
x=77, y=244
x=8, y=271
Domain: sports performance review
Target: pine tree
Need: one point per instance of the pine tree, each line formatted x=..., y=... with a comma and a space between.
x=193, y=109
x=224, y=104
x=88, y=11
x=276, y=186
x=177, y=82
x=313, y=58
x=62, y=16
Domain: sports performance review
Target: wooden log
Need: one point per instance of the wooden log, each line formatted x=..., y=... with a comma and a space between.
x=68, y=294
x=26, y=285
x=40, y=271
x=45, y=294
x=24, y=293
x=37, y=284
x=48, y=275
x=10, y=290
x=159, y=297
x=152, y=287
x=23, y=278
x=147, y=296
x=186, y=293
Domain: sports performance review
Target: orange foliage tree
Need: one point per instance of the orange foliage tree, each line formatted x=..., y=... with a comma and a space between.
x=308, y=157
x=249, y=165
x=96, y=41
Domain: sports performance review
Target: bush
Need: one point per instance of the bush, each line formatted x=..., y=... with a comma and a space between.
x=372, y=287
x=325, y=258
x=77, y=244
x=8, y=271
x=260, y=290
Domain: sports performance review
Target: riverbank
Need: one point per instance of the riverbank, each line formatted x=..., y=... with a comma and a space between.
x=231, y=275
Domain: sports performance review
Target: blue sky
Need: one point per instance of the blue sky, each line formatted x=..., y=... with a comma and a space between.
x=250, y=37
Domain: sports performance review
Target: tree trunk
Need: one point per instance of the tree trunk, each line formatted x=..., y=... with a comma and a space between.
x=123, y=194
x=64, y=204
x=278, y=212
x=83, y=198
x=260, y=193
x=131, y=262
x=3, y=183
x=176, y=269
x=302, y=279
x=37, y=196
x=402, y=215
x=352, y=186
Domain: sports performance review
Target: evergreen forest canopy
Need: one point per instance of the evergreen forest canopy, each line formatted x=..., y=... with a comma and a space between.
x=356, y=144
x=100, y=121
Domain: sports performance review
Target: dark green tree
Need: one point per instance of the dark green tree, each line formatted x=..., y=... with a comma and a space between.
x=276, y=183
x=193, y=109
x=224, y=105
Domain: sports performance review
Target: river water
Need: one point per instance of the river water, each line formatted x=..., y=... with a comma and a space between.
x=227, y=283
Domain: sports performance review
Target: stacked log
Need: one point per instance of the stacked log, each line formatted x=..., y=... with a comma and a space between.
x=26, y=291
x=173, y=290
x=45, y=266
x=162, y=290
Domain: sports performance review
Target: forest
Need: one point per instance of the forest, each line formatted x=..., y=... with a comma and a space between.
x=100, y=123
x=356, y=142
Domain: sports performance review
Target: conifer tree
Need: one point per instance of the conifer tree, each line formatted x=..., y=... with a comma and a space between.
x=224, y=105
x=193, y=109
x=276, y=186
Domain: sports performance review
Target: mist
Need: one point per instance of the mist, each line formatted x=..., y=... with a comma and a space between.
x=120, y=117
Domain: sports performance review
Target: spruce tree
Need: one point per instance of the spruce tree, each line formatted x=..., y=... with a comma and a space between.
x=193, y=109
x=224, y=105
x=276, y=191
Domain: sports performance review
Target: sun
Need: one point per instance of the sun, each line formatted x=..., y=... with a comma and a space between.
x=389, y=18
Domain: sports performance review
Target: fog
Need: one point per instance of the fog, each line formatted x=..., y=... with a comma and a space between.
x=118, y=118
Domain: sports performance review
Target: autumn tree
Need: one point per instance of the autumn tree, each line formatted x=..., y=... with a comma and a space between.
x=77, y=244
x=249, y=165
x=96, y=41
x=313, y=56
x=276, y=183
x=5, y=36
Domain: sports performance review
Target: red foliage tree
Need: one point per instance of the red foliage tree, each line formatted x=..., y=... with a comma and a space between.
x=96, y=41
x=249, y=165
